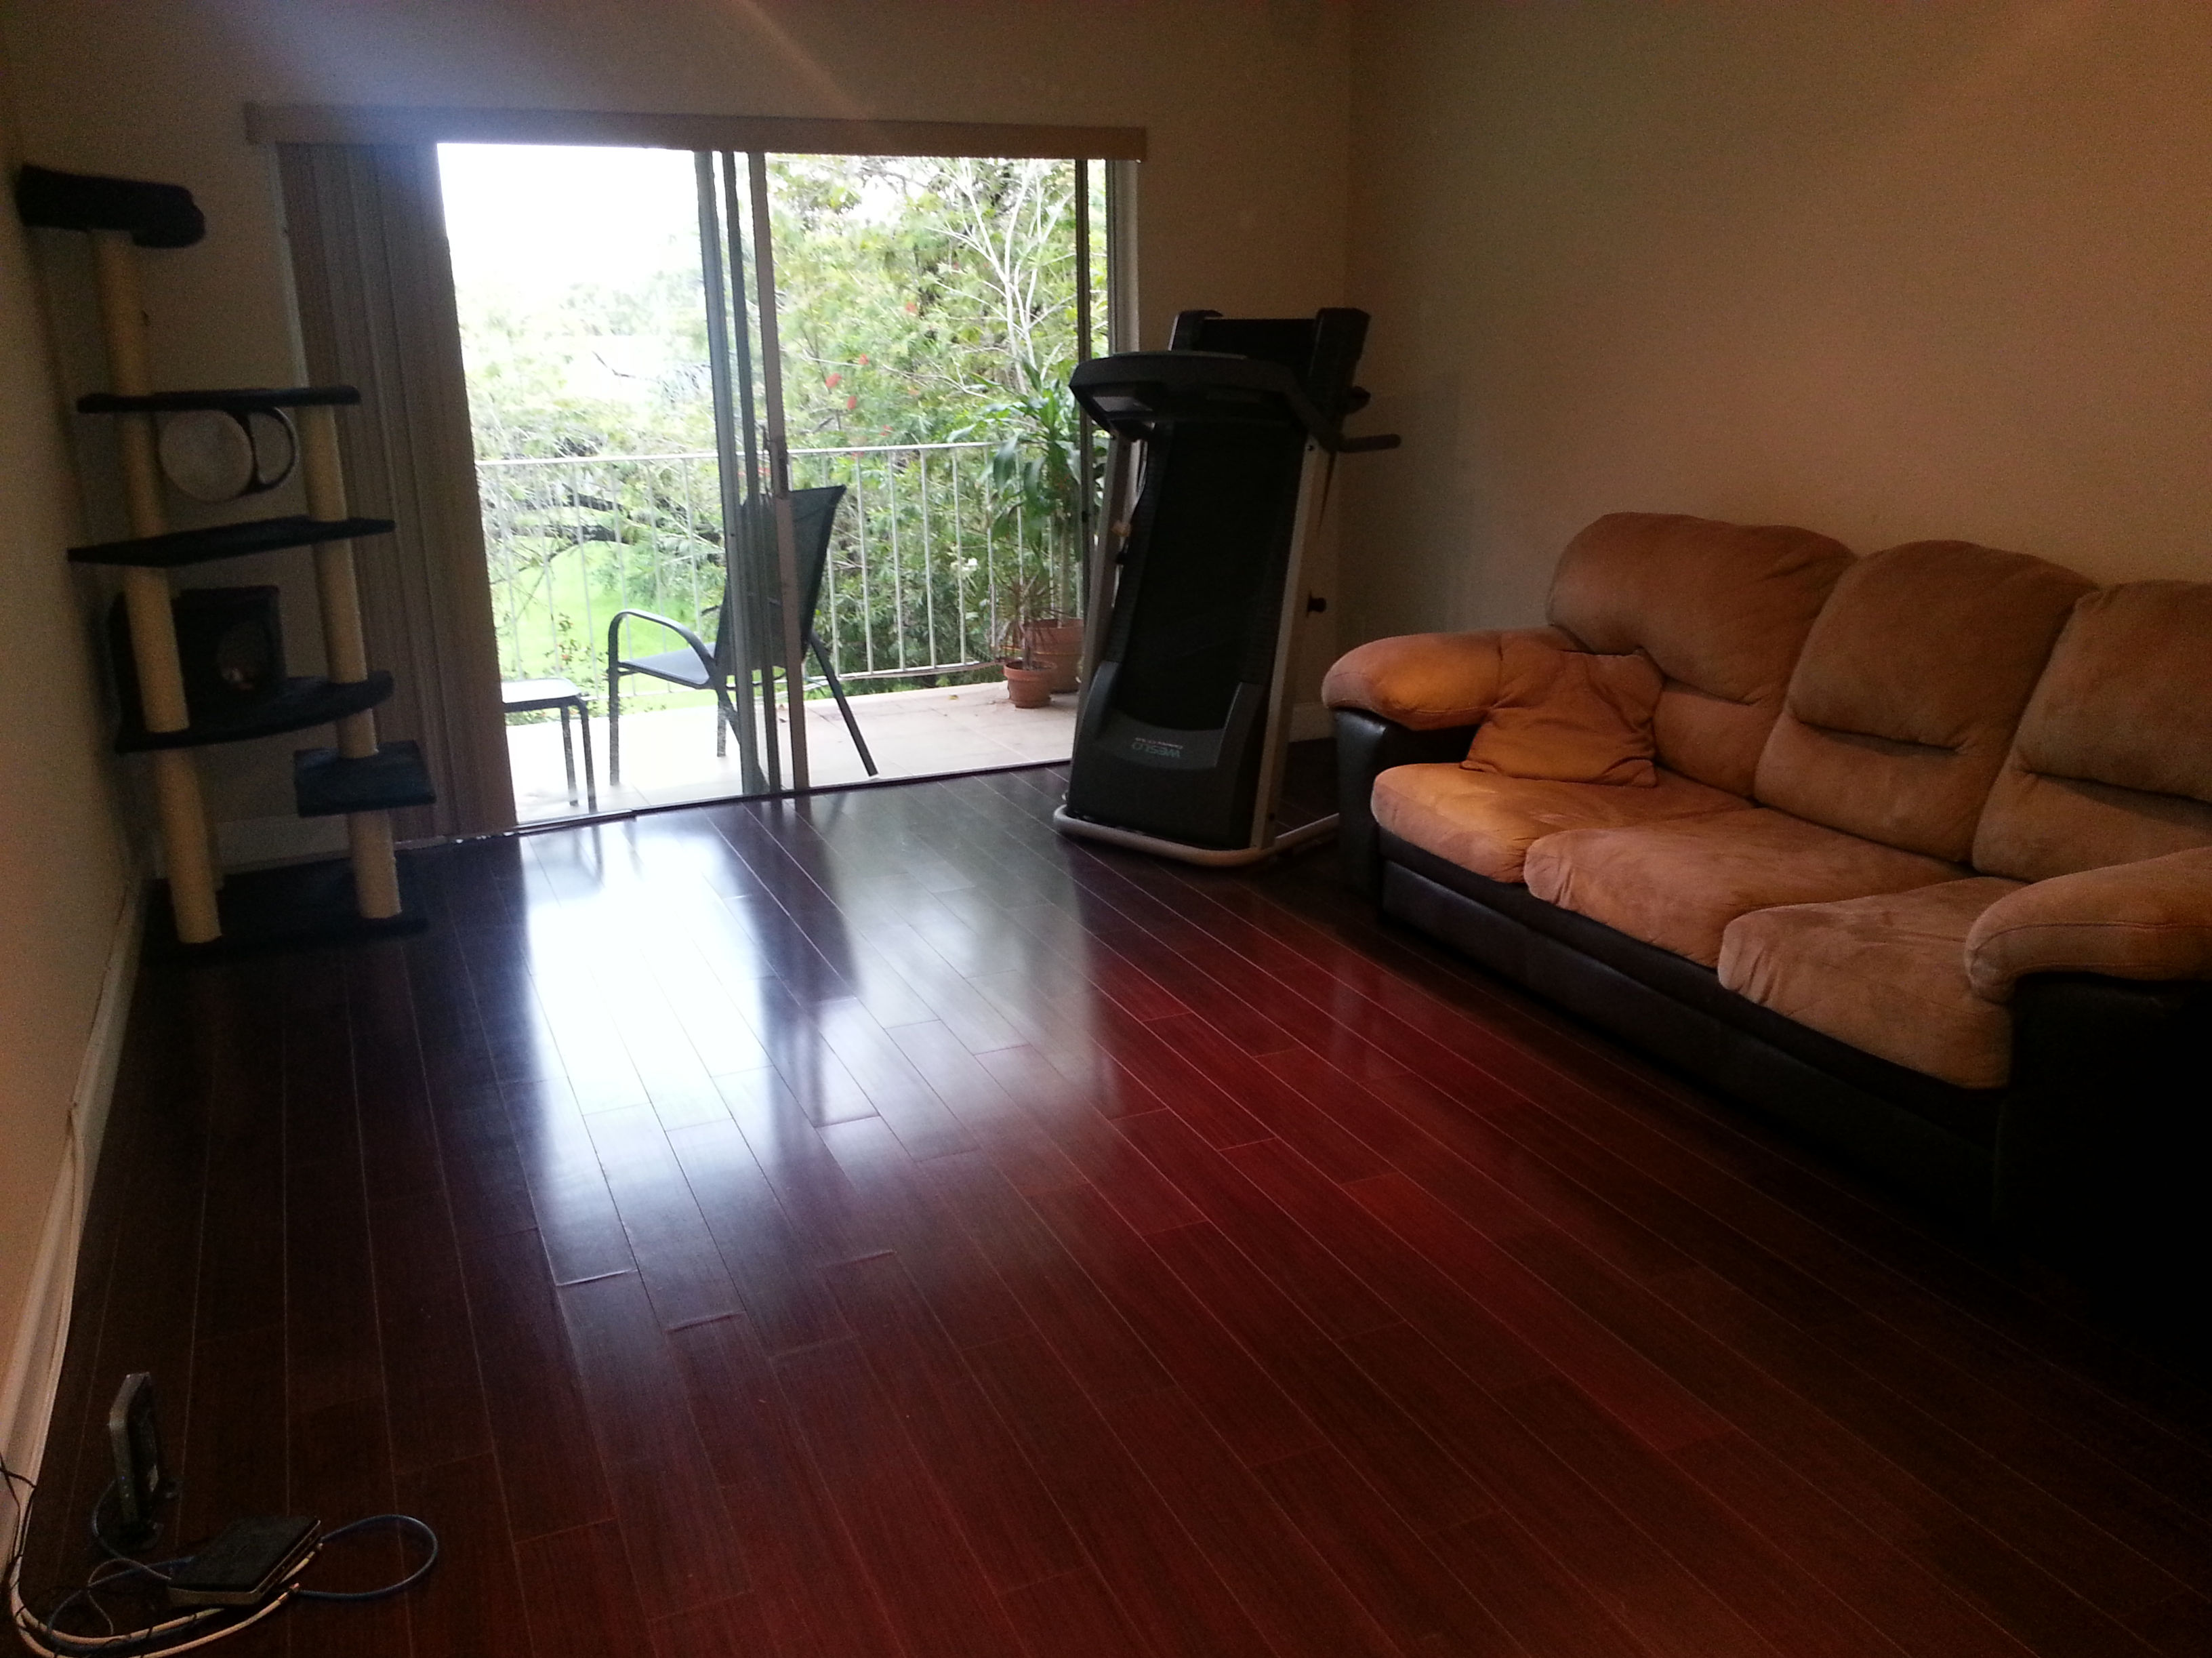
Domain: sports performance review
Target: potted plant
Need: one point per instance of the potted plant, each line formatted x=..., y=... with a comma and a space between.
x=1055, y=644
x=1035, y=473
x=1027, y=686
x=1030, y=675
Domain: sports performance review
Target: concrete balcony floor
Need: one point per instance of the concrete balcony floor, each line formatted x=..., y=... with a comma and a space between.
x=668, y=755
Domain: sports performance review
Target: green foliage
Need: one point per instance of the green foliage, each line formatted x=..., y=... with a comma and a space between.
x=926, y=300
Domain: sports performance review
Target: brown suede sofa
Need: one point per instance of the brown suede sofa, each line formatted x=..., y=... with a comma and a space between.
x=1926, y=869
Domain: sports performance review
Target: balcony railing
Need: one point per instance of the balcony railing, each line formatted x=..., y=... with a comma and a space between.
x=931, y=556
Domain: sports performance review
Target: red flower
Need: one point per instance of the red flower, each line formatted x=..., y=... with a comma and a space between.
x=851, y=403
x=862, y=359
x=833, y=380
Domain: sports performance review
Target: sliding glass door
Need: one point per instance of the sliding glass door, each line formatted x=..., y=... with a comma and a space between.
x=778, y=463
x=760, y=621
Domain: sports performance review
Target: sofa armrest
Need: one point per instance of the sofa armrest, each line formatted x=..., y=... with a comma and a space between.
x=1427, y=682
x=2150, y=919
x=1367, y=745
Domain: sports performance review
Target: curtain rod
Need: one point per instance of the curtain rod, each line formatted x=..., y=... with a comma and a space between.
x=368, y=123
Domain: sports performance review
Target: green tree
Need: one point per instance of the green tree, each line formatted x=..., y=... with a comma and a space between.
x=921, y=301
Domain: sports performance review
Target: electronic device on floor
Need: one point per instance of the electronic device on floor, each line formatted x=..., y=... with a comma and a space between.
x=1224, y=443
x=249, y=1561
x=127, y=1604
x=142, y=1479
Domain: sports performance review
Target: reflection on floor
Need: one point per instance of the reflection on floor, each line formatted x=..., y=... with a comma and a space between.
x=876, y=1225
x=668, y=756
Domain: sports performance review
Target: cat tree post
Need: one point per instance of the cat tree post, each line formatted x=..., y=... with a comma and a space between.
x=375, y=872
x=185, y=841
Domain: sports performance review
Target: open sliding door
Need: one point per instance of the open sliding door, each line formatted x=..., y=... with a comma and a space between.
x=766, y=443
x=786, y=534
x=760, y=621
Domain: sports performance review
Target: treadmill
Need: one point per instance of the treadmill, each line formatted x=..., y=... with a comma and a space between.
x=1225, y=442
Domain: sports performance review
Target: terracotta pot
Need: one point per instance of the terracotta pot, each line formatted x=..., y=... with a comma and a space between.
x=1027, y=687
x=1056, y=643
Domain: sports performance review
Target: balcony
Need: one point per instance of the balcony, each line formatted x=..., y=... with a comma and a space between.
x=936, y=551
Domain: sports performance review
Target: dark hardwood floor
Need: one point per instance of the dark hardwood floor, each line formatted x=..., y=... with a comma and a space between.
x=878, y=1226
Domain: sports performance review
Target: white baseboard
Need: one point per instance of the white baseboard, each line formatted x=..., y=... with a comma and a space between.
x=1310, y=721
x=34, y=1358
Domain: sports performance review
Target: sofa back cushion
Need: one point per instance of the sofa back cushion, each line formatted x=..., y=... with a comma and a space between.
x=1721, y=608
x=1905, y=699
x=2113, y=759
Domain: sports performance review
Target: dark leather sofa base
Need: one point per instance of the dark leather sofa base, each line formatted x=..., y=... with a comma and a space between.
x=1938, y=1146
x=2095, y=1159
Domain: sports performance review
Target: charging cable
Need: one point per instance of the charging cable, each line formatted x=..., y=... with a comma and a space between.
x=201, y=1627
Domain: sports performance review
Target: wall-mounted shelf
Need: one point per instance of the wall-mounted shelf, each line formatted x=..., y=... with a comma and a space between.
x=228, y=541
x=301, y=703
x=326, y=785
x=243, y=399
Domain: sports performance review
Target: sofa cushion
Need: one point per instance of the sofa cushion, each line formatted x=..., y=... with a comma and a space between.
x=1485, y=823
x=2150, y=919
x=1679, y=884
x=1885, y=973
x=2113, y=759
x=1903, y=701
x=1428, y=682
x=1570, y=716
x=1721, y=608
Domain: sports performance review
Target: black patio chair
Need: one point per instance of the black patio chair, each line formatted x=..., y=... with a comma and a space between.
x=701, y=667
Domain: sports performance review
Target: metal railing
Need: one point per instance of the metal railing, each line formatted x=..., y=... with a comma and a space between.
x=929, y=560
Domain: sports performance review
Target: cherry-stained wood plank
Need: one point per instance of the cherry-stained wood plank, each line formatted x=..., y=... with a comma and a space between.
x=472, y=1603
x=807, y=1578
x=666, y=1498
x=547, y=1460
x=912, y=1547
x=1299, y=1603
x=1169, y=1592
x=878, y=1226
x=1008, y=1518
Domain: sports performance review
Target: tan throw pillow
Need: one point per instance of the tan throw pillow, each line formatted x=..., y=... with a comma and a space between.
x=1570, y=717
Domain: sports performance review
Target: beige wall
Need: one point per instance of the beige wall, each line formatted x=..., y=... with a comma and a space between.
x=62, y=868
x=1890, y=271
x=1242, y=202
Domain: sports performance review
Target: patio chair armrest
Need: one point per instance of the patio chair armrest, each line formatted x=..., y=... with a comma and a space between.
x=614, y=636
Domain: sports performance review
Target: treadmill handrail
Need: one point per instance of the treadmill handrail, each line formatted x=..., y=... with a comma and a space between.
x=1149, y=377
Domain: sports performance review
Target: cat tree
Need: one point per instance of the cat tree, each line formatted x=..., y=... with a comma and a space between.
x=358, y=778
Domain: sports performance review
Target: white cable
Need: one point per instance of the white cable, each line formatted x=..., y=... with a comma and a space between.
x=26, y=1621
x=74, y=1647
x=77, y=1645
x=50, y=1643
